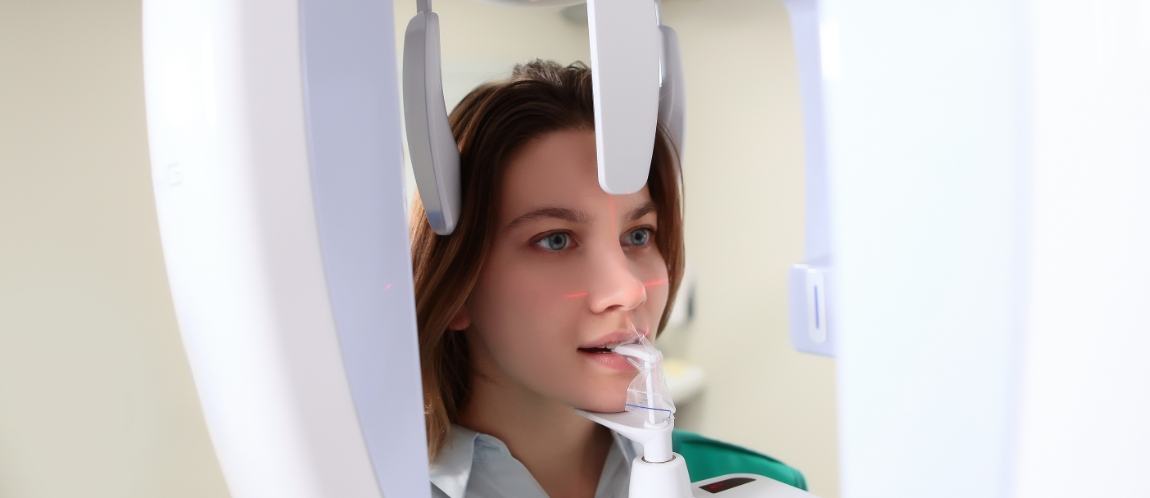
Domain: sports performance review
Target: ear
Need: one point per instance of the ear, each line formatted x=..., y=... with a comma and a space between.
x=461, y=321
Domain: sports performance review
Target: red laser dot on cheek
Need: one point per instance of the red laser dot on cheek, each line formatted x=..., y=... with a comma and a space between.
x=655, y=283
x=576, y=295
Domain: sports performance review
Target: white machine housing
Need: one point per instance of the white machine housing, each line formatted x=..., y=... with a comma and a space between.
x=277, y=166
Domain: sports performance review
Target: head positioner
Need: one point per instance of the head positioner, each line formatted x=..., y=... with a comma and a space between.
x=637, y=83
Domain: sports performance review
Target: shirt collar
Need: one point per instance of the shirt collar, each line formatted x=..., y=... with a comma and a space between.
x=452, y=467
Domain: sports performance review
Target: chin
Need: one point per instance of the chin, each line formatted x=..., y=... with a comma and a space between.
x=603, y=402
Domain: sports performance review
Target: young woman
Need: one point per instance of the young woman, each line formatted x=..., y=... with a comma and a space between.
x=542, y=268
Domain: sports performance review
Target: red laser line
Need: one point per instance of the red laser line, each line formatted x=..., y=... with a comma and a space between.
x=654, y=283
x=650, y=283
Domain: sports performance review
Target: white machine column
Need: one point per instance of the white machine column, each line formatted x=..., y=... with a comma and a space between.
x=277, y=165
x=989, y=190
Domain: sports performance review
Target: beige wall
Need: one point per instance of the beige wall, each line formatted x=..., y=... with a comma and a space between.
x=744, y=182
x=96, y=399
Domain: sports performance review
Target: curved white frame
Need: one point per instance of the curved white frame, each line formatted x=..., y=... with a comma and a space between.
x=277, y=168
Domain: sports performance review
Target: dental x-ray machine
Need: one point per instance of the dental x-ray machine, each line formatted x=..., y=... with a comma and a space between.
x=276, y=158
x=985, y=211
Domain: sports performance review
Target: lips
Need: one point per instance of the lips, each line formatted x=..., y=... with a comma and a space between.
x=611, y=361
x=598, y=351
x=605, y=343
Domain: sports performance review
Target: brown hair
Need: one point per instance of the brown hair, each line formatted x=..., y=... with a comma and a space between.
x=490, y=124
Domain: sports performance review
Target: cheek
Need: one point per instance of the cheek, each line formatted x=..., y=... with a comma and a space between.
x=658, y=298
x=516, y=289
x=529, y=331
x=517, y=308
x=658, y=286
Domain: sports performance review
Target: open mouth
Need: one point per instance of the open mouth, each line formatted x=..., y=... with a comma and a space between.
x=605, y=356
x=595, y=350
x=606, y=348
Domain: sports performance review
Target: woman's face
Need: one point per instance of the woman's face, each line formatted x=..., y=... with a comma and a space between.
x=569, y=267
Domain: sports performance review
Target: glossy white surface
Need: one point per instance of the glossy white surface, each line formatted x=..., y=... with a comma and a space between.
x=285, y=242
x=625, y=50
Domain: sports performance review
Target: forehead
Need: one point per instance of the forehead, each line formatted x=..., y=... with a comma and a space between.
x=558, y=169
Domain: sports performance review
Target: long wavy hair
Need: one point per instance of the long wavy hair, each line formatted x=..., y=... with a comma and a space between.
x=490, y=124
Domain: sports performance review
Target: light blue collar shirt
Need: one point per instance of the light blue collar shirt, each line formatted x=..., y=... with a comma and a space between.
x=476, y=465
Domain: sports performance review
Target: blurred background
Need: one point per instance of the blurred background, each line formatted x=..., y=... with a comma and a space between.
x=96, y=397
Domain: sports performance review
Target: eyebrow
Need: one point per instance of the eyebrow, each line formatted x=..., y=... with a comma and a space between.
x=573, y=215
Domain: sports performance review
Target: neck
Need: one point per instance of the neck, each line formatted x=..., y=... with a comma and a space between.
x=563, y=451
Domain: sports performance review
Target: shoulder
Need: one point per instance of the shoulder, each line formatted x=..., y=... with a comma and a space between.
x=707, y=458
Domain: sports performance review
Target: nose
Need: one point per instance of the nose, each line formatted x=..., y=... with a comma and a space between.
x=615, y=286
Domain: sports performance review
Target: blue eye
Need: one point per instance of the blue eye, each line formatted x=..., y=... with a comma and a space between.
x=557, y=241
x=560, y=241
x=639, y=237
